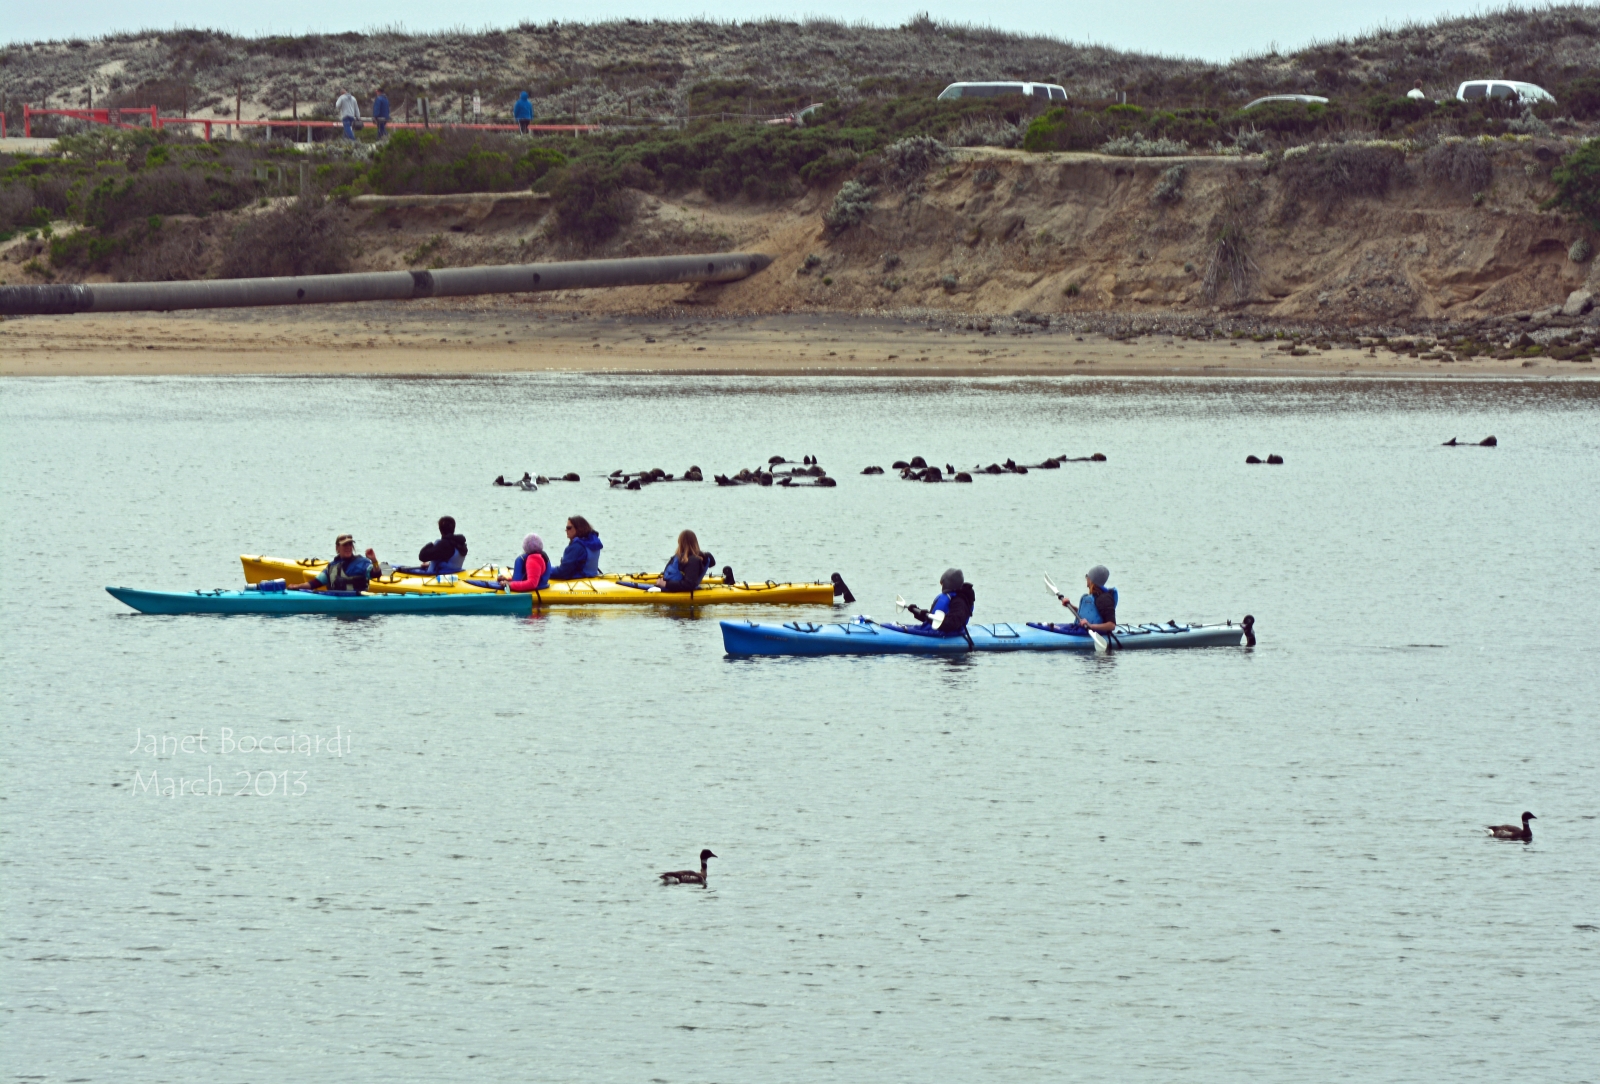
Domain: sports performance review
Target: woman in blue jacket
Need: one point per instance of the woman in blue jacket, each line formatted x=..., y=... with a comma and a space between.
x=581, y=559
x=523, y=112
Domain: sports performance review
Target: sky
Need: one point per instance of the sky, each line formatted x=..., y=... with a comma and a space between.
x=1210, y=29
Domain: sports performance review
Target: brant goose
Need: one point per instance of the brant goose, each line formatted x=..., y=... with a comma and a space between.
x=689, y=876
x=1512, y=832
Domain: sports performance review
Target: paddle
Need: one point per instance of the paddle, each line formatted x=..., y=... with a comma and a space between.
x=1101, y=644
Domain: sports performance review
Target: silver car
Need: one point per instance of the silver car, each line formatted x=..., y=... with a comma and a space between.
x=1502, y=90
x=1045, y=92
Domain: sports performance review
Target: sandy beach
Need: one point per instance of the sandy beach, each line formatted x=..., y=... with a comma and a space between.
x=515, y=335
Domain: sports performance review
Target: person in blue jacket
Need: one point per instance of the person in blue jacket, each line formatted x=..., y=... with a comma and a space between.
x=1097, y=609
x=581, y=558
x=380, y=113
x=952, y=609
x=523, y=112
x=348, y=571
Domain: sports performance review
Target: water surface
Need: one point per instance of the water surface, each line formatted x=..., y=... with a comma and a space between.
x=1204, y=865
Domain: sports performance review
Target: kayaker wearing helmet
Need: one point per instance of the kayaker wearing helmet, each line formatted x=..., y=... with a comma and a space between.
x=1097, y=610
x=448, y=554
x=688, y=565
x=532, y=570
x=581, y=558
x=952, y=609
x=346, y=572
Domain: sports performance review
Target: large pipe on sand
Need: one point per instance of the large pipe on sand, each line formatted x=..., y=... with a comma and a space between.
x=376, y=285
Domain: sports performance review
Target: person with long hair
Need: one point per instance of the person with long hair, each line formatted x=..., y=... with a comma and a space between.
x=581, y=559
x=688, y=565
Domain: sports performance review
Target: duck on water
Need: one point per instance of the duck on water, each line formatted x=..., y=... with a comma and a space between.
x=689, y=876
x=1511, y=831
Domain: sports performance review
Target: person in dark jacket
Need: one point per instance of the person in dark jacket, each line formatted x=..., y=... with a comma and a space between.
x=448, y=554
x=347, y=571
x=687, y=567
x=952, y=609
x=380, y=113
x=522, y=111
x=1097, y=609
x=581, y=558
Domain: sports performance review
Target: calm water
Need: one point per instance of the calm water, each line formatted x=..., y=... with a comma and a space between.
x=1204, y=865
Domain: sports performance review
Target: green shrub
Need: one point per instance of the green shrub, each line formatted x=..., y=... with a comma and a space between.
x=305, y=236
x=852, y=204
x=1169, y=186
x=1461, y=165
x=118, y=198
x=1581, y=97
x=908, y=159
x=1285, y=119
x=590, y=205
x=440, y=163
x=1137, y=146
x=85, y=250
x=1386, y=112
x=1577, y=181
x=1326, y=175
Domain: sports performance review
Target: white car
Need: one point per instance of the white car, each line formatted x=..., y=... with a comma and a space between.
x=1502, y=90
x=1047, y=92
x=1304, y=99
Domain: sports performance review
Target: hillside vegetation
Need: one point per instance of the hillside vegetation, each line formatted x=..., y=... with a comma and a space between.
x=642, y=69
x=873, y=171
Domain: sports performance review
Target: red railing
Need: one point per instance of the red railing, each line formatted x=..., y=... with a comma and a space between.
x=113, y=118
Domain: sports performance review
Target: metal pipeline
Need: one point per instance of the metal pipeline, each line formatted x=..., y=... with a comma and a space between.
x=376, y=285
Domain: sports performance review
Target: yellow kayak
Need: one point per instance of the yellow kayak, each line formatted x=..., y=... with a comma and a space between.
x=607, y=590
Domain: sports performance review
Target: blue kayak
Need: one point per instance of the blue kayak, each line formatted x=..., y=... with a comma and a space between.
x=863, y=636
x=314, y=602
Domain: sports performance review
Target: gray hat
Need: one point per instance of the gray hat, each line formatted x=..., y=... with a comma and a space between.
x=952, y=580
x=1099, y=574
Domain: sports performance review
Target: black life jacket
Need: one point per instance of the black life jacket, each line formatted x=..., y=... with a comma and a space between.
x=958, y=612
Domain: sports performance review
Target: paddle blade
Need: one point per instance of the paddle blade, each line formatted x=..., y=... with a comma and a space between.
x=900, y=603
x=1101, y=644
x=1051, y=584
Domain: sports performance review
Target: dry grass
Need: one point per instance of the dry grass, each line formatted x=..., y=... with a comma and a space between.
x=1229, y=264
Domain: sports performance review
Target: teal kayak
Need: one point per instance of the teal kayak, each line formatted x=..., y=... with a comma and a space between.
x=312, y=602
x=863, y=636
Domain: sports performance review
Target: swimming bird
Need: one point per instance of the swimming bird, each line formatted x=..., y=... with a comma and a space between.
x=689, y=876
x=1511, y=831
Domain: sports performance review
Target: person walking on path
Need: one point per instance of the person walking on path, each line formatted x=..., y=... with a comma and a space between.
x=348, y=112
x=380, y=113
x=523, y=112
x=1416, y=93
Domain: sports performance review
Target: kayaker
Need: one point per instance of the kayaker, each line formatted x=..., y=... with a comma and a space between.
x=448, y=554
x=688, y=565
x=952, y=609
x=347, y=571
x=532, y=570
x=1097, y=609
x=581, y=558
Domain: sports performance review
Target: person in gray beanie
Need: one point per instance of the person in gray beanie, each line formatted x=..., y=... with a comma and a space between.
x=952, y=609
x=1096, y=610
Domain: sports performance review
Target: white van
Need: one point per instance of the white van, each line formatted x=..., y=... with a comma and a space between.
x=1044, y=92
x=1502, y=90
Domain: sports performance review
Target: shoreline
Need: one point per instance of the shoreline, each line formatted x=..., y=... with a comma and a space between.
x=519, y=336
